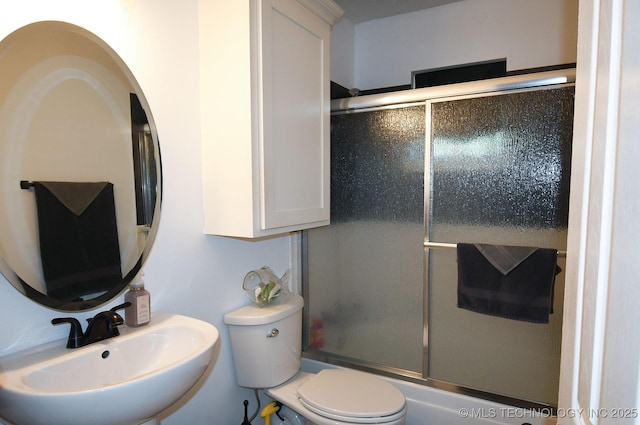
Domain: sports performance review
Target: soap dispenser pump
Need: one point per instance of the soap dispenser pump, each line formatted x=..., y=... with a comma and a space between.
x=139, y=312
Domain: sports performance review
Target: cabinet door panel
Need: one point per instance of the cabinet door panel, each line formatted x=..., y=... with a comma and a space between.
x=295, y=138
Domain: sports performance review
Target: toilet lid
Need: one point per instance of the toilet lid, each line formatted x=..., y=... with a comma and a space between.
x=351, y=396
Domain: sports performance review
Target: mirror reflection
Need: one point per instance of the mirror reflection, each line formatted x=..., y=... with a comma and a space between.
x=80, y=185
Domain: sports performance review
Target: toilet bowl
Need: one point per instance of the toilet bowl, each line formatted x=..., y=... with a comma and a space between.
x=266, y=345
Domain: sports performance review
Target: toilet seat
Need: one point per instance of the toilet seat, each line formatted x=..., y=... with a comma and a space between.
x=351, y=396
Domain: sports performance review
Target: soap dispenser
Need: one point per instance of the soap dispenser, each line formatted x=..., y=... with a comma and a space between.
x=139, y=312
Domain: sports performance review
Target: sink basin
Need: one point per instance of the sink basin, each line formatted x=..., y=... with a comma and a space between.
x=125, y=380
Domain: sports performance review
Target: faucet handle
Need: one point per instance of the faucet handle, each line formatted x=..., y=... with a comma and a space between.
x=113, y=310
x=75, y=332
x=121, y=306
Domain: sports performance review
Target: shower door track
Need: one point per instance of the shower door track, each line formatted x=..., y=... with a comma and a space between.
x=395, y=99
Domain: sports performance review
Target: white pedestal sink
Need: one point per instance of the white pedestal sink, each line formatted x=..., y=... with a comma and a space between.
x=126, y=380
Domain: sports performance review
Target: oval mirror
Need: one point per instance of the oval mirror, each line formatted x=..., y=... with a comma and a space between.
x=80, y=177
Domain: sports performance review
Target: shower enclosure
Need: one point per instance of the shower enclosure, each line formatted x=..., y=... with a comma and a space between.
x=485, y=162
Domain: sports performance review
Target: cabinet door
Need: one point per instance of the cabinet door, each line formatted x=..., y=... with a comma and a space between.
x=294, y=112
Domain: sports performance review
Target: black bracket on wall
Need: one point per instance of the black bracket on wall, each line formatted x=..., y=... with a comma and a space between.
x=25, y=184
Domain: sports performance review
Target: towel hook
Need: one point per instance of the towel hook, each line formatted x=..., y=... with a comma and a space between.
x=25, y=184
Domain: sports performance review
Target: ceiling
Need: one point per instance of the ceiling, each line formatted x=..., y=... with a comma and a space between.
x=358, y=11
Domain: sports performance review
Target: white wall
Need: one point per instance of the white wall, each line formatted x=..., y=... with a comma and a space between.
x=187, y=272
x=529, y=33
x=343, y=53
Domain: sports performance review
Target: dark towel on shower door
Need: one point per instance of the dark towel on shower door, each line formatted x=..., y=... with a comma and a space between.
x=505, y=258
x=525, y=293
x=78, y=238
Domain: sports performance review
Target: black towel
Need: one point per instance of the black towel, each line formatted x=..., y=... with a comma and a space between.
x=505, y=258
x=78, y=238
x=524, y=293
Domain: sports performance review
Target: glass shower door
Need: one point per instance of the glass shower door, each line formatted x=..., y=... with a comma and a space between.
x=365, y=270
x=409, y=182
x=499, y=174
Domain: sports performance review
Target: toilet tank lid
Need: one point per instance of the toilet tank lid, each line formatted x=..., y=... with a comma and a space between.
x=254, y=315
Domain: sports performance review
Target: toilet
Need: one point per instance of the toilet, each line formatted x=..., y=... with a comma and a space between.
x=266, y=345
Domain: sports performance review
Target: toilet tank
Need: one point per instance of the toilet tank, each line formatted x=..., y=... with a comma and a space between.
x=266, y=342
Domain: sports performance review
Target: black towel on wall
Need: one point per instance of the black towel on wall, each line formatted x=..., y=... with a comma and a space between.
x=525, y=293
x=78, y=238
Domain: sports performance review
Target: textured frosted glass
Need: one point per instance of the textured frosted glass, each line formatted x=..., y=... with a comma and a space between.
x=499, y=174
x=502, y=160
x=365, y=270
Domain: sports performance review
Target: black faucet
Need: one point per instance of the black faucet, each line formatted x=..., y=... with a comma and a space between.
x=103, y=325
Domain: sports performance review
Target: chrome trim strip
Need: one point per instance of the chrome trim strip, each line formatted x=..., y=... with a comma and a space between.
x=426, y=255
x=378, y=108
x=539, y=79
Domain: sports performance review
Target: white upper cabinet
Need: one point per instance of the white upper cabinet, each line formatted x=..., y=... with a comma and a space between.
x=265, y=104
